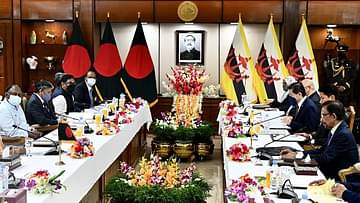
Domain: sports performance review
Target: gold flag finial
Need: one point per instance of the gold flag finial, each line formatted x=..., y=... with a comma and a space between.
x=76, y=14
x=108, y=14
x=139, y=14
x=271, y=16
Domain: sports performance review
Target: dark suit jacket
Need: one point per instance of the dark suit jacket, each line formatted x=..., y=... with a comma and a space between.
x=315, y=97
x=39, y=113
x=341, y=153
x=192, y=55
x=307, y=118
x=352, y=194
x=81, y=96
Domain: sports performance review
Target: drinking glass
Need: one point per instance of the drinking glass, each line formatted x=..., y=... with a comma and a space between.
x=97, y=119
x=28, y=145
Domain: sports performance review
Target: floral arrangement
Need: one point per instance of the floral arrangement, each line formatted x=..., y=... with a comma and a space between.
x=244, y=189
x=187, y=79
x=40, y=182
x=239, y=152
x=81, y=148
x=157, y=181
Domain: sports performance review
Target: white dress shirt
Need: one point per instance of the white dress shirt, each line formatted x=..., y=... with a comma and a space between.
x=12, y=115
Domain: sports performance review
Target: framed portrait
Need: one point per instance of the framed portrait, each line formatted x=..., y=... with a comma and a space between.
x=189, y=47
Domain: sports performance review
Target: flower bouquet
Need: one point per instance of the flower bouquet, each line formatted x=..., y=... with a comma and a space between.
x=246, y=190
x=40, y=182
x=239, y=152
x=82, y=148
x=157, y=181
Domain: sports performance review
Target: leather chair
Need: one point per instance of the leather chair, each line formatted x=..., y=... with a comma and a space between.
x=20, y=141
x=348, y=171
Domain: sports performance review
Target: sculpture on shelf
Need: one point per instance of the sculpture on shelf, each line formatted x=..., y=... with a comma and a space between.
x=50, y=34
x=50, y=60
x=1, y=46
x=33, y=37
x=65, y=37
x=32, y=61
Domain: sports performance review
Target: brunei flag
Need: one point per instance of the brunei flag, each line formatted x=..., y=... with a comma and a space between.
x=301, y=64
x=108, y=65
x=239, y=75
x=76, y=60
x=138, y=74
x=270, y=64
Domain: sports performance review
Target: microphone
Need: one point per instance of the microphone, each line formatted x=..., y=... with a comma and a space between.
x=87, y=129
x=263, y=121
x=289, y=109
x=50, y=152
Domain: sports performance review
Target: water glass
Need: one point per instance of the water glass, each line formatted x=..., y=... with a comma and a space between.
x=28, y=145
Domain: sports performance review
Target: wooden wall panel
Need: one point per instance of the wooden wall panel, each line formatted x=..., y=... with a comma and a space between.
x=5, y=9
x=290, y=27
x=303, y=7
x=86, y=20
x=18, y=77
x=6, y=58
x=124, y=11
x=252, y=11
x=208, y=11
x=47, y=9
x=334, y=12
x=17, y=9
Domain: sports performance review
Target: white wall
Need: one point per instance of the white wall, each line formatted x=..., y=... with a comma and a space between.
x=161, y=40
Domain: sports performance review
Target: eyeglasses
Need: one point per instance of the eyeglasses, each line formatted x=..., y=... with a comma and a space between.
x=324, y=114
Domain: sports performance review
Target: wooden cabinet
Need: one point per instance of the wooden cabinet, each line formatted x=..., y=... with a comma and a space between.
x=49, y=43
x=6, y=55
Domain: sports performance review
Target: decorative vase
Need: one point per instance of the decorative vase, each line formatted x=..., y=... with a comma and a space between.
x=183, y=149
x=33, y=37
x=163, y=149
x=204, y=150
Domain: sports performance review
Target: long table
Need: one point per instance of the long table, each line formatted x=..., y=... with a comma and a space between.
x=85, y=178
x=234, y=169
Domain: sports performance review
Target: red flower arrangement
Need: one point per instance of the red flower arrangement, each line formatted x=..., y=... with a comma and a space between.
x=187, y=80
x=82, y=148
x=239, y=152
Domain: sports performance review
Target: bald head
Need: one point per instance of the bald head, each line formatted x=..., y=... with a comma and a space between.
x=309, y=86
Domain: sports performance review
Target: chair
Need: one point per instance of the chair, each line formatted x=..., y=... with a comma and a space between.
x=351, y=116
x=348, y=171
x=24, y=101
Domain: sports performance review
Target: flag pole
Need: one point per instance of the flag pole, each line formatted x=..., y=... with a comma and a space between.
x=139, y=14
x=108, y=15
x=77, y=14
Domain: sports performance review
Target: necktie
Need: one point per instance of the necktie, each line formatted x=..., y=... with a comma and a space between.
x=330, y=136
x=91, y=98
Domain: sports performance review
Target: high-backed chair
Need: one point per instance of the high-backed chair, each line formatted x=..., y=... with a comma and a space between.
x=348, y=171
x=351, y=116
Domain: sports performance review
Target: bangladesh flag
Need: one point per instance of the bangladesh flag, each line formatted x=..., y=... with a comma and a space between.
x=76, y=60
x=138, y=74
x=108, y=65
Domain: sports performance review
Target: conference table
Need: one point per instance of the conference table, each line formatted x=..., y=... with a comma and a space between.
x=85, y=178
x=256, y=167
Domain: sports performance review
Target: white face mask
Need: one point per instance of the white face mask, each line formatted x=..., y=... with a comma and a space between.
x=91, y=81
x=14, y=100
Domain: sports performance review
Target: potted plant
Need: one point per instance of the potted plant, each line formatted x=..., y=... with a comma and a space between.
x=204, y=145
x=157, y=181
x=162, y=143
x=184, y=146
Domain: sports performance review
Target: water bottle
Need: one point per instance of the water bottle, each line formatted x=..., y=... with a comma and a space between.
x=304, y=198
x=2, y=179
x=6, y=177
x=274, y=182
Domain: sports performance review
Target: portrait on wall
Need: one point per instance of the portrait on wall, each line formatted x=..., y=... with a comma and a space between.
x=190, y=47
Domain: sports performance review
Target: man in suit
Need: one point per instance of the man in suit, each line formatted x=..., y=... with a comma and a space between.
x=38, y=110
x=85, y=92
x=286, y=101
x=307, y=117
x=62, y=98
x=349, y=192
x=340, y=149
x=311, y=92
x=190, y=53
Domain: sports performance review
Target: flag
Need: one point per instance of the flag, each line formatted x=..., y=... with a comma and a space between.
x=108, y=65
x=270, y=64
x=301, y=64
x=138, y=74
x=76, y=60
x=239, y=76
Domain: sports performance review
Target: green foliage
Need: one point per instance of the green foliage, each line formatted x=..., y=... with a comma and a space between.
x=121, y=192
x=164, y=133
x=203, y=133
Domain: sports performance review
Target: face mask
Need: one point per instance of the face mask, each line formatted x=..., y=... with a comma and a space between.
x=46, y=97
x=71, y=88
x=91, y=81
x=14, y=100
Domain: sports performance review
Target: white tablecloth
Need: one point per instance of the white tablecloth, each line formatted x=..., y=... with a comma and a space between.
x=81, y=174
